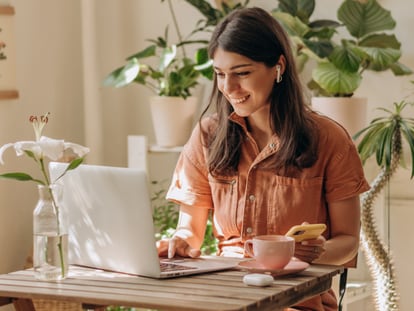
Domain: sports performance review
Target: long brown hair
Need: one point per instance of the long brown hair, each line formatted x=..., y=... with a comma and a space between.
x=254, y=33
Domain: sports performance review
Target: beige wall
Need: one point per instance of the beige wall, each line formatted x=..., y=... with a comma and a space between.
x=49, y=77
x=64, y=50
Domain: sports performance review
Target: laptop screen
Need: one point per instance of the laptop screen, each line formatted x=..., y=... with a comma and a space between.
x=109, y=216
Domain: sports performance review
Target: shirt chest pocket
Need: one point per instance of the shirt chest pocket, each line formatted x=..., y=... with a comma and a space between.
x=225, y=195
x=295, y=200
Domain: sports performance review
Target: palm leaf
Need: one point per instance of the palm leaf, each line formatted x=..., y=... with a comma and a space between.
x=378, y=137
x=388, y=146
x=408, y=133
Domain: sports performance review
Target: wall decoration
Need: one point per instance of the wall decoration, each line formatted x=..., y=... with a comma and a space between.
x=8, y=88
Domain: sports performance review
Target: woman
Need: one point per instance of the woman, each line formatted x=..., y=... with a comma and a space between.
x=264, y=161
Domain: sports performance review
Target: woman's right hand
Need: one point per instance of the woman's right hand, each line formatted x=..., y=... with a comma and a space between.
x=176, y=246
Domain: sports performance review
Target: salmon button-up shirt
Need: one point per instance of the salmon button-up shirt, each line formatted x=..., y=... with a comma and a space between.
x=256, y=200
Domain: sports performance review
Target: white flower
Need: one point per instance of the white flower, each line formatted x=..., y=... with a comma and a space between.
x=44, y=147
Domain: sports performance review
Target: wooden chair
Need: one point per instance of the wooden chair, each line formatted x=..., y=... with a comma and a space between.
x=342, y=287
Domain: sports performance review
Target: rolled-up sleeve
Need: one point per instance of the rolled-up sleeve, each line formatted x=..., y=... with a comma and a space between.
x=190, y=184
x=344, y=173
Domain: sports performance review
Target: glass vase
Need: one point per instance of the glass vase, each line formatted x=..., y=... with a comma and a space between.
x=50, y=236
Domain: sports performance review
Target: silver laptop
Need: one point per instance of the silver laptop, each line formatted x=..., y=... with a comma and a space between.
x=110, y=224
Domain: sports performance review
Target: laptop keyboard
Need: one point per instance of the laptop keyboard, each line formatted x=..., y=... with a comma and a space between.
x=165, y=267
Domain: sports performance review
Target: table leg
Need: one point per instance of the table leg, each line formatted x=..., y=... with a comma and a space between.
x=21, y=304
x=5, y=301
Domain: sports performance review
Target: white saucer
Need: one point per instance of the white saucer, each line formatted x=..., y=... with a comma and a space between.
x=294, y=266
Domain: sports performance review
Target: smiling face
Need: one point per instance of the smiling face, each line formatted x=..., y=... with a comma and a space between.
x=246, y=84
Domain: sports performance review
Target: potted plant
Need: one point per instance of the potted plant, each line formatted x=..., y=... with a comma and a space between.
x=175, y=76
x=172, y=81
x=165, y=217
x=340, y=63
x=173, y=107
x=384, y=137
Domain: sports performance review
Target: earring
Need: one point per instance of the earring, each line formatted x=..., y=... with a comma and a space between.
x=278, y=75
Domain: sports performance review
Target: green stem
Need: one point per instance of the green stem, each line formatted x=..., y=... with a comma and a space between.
x=43, y=169
x=60, y=248
x=62, y=261
x=177, y=29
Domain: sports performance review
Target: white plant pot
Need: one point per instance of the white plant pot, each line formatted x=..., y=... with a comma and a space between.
x=350, y=112
x=173, y=119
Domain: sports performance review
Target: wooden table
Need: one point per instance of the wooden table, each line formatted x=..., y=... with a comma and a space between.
x=212, y=291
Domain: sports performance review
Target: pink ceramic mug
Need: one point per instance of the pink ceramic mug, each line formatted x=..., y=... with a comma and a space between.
x=271, y=251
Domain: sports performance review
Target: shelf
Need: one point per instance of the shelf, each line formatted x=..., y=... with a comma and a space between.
x=138, y=150
x=357, y=291
x=156, y=148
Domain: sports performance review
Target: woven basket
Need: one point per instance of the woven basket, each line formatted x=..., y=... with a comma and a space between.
x=56, y=305
x=51, y=305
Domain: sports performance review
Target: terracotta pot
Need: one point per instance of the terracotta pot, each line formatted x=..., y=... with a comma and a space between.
x=173, y=119
x=350, y=112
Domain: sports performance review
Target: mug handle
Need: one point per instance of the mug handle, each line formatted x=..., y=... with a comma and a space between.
x=248, y=248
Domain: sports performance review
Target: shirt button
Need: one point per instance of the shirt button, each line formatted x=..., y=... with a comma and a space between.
x=252, y=198
x=272, y=145
x=249, y=230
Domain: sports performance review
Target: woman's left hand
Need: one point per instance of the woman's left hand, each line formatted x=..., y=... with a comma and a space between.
x=310, y=250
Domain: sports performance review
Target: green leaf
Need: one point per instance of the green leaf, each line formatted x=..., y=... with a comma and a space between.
x=347, y=58
x=408, y=134
x=204, y=64
x=381, y=40
x=400, y=69
x=301, y=61
x=123, y=76
x=72, y=165
x=365, y=18
x=380, y=140
x=388, y=147
x=212, y=15
x=381, y=59
x=167, y=57
x=292, y=24
x=378, y=137
x=336, y=81
x=30, y=154
x=303, y=9
x=20, y=177
x=324, y=28
x=370, y=141
x=147, y=52
x=322, y=47
x=201, y=56
x=187, y=42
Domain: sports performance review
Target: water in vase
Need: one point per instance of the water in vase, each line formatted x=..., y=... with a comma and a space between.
x=50, y=256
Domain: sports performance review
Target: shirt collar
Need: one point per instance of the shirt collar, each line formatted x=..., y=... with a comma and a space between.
x=233, y=117
x=273, y=144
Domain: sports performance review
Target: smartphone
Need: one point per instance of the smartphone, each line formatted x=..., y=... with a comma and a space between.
x=306, y=232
